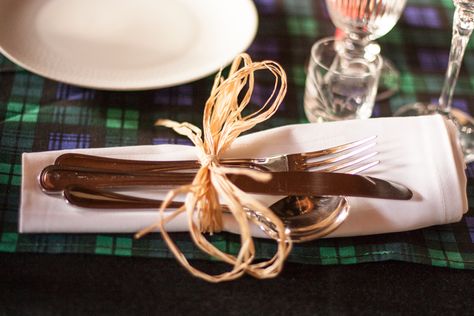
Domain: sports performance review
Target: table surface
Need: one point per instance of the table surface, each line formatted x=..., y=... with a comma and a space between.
x=106, y=285
x=65, y=273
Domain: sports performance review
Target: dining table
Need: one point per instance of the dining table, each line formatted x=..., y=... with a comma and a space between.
x=429, y=270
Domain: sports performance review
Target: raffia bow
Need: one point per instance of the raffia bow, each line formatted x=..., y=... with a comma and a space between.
x=223, y=122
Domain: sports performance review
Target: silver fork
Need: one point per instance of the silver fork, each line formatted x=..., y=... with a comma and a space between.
x=331, y=159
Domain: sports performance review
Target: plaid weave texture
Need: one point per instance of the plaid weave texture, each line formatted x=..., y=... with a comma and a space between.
x=37, y=114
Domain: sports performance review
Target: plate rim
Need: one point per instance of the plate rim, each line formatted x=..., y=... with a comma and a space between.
x=117, y=87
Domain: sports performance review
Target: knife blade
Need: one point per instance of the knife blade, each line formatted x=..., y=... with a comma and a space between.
x=324, y=183
x=54, y=179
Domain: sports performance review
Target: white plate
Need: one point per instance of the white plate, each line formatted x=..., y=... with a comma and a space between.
x=125, y=44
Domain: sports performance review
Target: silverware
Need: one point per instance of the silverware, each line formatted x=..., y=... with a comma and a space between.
x=305, y=217
x=54, y=179
x=327, y=160
x=315, y=216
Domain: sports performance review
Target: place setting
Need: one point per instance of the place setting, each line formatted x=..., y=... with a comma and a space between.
x=342, y=174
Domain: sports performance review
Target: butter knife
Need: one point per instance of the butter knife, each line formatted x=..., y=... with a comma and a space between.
x=54, y=179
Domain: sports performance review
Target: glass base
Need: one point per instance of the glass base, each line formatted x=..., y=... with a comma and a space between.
x=465, y=124
x=416, y=109
x=463, y=121
x=389, y=82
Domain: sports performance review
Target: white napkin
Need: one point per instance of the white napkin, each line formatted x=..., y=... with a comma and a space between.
x=419, y=152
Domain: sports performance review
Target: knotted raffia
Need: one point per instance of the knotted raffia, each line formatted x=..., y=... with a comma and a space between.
x=223, y=121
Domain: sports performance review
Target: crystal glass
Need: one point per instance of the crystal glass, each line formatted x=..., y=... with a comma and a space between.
x=335, y=93
x=363, y=21
x=462, y=29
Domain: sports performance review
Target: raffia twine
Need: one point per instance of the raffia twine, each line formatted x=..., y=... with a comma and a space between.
x=223, y=122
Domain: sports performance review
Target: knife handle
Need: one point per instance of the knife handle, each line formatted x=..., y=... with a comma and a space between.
x=55, y=179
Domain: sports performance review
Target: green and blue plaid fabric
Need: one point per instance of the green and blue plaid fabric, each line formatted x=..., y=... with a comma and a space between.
x=37, y=114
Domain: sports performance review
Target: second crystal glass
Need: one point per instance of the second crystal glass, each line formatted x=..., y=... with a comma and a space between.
x=463, y=27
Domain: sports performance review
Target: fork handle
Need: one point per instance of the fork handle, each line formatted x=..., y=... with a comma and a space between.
x=115, y=164
x=105, y=163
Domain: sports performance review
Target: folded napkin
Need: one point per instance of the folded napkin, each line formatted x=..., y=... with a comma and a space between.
x=419, y=152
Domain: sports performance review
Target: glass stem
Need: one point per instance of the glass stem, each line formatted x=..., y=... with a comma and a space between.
x=354, y=46
x=462, y=29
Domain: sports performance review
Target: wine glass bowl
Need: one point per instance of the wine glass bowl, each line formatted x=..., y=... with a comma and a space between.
x=365, y=19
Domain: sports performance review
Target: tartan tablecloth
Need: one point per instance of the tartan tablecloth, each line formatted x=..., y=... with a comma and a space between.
x=37, y=114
